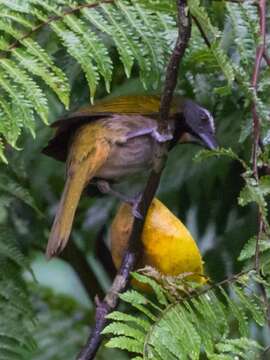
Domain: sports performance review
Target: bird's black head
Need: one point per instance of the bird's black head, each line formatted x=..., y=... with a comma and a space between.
x=199, y=125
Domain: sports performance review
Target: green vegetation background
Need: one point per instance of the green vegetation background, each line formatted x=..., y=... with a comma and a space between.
x=203, y=195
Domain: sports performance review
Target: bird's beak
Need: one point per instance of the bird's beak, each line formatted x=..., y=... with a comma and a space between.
x=209, y=141
x=206, y=140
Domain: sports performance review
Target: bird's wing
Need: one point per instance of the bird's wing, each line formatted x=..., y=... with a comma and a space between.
x=89, y=146
x=65, y=128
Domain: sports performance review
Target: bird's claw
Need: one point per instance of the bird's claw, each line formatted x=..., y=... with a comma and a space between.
x=136, y=213
x=135, y=206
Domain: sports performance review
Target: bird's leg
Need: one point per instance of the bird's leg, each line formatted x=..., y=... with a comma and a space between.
x=105, y=188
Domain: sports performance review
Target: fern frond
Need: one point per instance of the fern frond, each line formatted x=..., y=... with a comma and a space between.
x=2, y=151
x=9, y=126
x=24, y=109
x=87, y=32
x=14, y=188
x=119, y=316
x=125, y=343
x=245, y=31
x=188, y=327
x=15, y=304
x=101, y=23
x=249, y=248
x=96, y=49
x=31, y=90
x=16, y=342
x=213, y=58
x=69, y=325
x=35, y=60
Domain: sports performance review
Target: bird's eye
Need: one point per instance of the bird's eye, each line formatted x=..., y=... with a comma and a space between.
x=204, y=115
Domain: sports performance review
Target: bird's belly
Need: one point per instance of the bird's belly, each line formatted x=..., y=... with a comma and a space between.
x=127, y=159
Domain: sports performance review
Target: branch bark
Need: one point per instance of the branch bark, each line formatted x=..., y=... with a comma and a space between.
x=260, y=54
x=260, y=51
x=131, y=256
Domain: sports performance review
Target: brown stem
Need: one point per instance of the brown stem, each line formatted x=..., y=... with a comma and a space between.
x=256, y=120
x=132, y=254
x=257, y=249
x=260, y=54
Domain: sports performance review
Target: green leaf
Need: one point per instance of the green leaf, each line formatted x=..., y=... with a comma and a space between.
x=206, y=154
x=249, y=248
x=118, y=328
x=159, y=292
x=124, y=343
x=255, y=192
x=119, y=316
x=12, y=187
x=32, y=90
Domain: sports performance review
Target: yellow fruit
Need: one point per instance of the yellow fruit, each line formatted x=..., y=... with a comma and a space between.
x=167, y=244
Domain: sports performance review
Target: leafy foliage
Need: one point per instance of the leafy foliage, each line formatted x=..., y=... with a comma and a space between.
x=16, y=342
x=87, y=32
x=187, y=326
x=53, y=54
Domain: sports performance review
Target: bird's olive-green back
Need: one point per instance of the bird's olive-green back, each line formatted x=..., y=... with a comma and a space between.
x=135, y=104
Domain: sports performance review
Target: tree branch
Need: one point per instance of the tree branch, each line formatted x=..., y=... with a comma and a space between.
x=132, y=254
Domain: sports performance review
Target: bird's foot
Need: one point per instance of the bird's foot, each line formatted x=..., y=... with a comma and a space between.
x=104, y=187
x=166, y=136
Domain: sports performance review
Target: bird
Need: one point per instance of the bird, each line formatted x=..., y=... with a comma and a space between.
x=113, y=140
x=167, y=245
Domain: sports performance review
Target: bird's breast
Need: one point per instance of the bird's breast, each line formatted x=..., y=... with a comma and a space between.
x=127, y=159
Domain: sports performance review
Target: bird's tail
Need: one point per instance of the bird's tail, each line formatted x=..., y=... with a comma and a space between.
x=65, y=214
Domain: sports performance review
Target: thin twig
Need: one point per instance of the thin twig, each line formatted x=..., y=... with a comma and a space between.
x=132, y=254
x=260, y=54
x=258, y=237
x=256, y=121
x=203, y=34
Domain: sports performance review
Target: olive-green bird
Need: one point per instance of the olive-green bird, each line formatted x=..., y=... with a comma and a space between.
x=112, y=140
